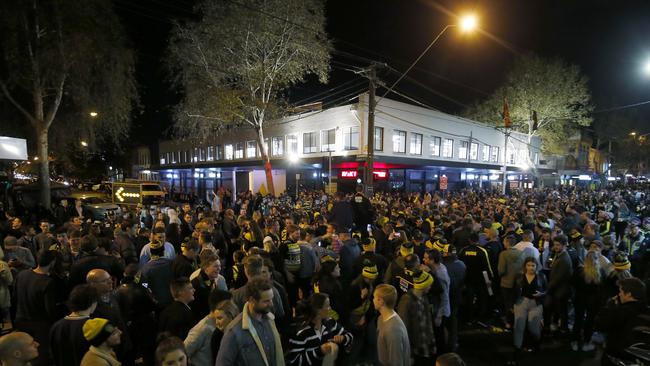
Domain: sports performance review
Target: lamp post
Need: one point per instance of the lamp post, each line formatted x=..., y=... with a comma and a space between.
x=467, y=24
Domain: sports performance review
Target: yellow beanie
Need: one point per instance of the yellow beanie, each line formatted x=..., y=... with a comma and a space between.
x=370, y=272
x=422, y=281
x=406, y=249
x=96, y=331
x=369, y=245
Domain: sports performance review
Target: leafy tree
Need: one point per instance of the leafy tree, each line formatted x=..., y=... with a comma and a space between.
x=628, y=152
x=236, y=60
x=557, y=91
x=60, y=61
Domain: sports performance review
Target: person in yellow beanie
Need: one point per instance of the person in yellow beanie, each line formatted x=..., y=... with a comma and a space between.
x=415, y=310
x=103, y=338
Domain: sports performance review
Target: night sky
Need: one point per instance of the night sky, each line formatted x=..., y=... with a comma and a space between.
x=607, y=39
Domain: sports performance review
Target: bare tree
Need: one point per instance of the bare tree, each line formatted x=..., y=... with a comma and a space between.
x=66, y=58
x=238, y=58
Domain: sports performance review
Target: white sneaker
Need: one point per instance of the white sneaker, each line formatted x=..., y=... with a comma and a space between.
x=574, y=346
x=588, y=347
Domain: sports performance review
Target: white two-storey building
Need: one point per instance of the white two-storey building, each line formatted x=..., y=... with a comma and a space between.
x=415, y=148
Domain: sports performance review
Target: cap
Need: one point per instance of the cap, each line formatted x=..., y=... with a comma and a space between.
x=97, y=330
x=370, y=272
x=422, y=280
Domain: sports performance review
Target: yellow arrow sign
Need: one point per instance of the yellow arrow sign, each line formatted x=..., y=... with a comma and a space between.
x=120, y=194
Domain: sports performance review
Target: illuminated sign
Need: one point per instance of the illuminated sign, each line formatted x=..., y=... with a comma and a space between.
x=350, y=174
x=380, y=174
x=127, y=194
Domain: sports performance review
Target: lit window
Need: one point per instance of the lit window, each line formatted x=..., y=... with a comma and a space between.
x=277, y=146
x=210, y=153
x=328, y=140
x=415, y=145
x=399, y=141
x=292, y=144
x=448, y=148
x=351, y=138
x=251, y=150
x=228, y=152
x=218, y=152
x=309, y=142
x=486, y=152
x=494, y=154
x=473, y=151
x=462, y=150
x=435, y=146
x=379, y=139
x=239, y=150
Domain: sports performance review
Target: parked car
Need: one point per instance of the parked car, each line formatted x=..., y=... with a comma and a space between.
x=98, y=204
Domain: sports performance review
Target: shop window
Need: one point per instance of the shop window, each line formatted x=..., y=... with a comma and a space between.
x=399, y=141
x=415, y=145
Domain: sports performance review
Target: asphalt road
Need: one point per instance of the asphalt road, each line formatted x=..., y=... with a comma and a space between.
x=481, y=346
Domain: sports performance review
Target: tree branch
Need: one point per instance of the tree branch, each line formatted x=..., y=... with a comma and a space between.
x=22, y=110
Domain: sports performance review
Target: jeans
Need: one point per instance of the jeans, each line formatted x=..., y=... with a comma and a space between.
x=527, y=314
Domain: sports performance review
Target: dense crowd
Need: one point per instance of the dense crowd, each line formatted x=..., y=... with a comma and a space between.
x=325, y=280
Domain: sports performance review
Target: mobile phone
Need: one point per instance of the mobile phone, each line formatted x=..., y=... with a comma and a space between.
x=145, y=285
x=397, y=235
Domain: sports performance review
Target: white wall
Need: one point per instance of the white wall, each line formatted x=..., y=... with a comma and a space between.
x=258, y=177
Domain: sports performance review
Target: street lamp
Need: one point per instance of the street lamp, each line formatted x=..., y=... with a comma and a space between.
x=93, y=114
x=646, y=68
x=467, y=24
x=632, y=133
x=84, y=144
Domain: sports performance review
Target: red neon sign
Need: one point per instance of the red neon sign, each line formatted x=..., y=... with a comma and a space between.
x=348, y=174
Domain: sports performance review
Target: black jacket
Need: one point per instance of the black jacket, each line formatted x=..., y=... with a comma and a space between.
x=617, y=321
x=177, y=319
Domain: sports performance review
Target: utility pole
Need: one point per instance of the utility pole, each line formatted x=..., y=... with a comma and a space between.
x=369, y=177
x=505, y=161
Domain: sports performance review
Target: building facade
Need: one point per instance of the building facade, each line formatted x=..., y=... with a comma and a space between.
x=415, y=149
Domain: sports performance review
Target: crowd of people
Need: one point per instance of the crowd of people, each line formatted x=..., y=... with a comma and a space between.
x=324, y=279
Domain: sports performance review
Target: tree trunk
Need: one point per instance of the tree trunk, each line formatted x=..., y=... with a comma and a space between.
x=267, y=162
x=43, y=166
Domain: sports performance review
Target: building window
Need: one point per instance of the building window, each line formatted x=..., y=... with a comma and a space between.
x=173, y=157
x=486, y=152
x=210, y=153
x=218, y=153
x=239, y=150
x=522, y=157
x=195, y=154
x=292, y=144
x=379, y=139
x=228, y=152
x=462, y=150
x=536, y=161
x=351, y=138
x=415, y=146
x=328, y=140
x=399, y=141
x=448, y=148
x=473, y=151
x=494, y=154
x=188, y=156
x=435, y=146
x=162, y=159
x=202, y=154
x=309, y=142
x=251, y=150
x=277, y=146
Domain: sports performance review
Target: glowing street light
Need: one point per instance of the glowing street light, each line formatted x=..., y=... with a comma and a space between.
x=646, y=68
x=632, y=133
x=468, y=23
x=84, y=144
x=93, y=114
x=293, y=158
x=35, y=158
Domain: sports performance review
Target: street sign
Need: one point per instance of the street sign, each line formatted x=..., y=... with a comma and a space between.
x=443, y=183
x=126, y=194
